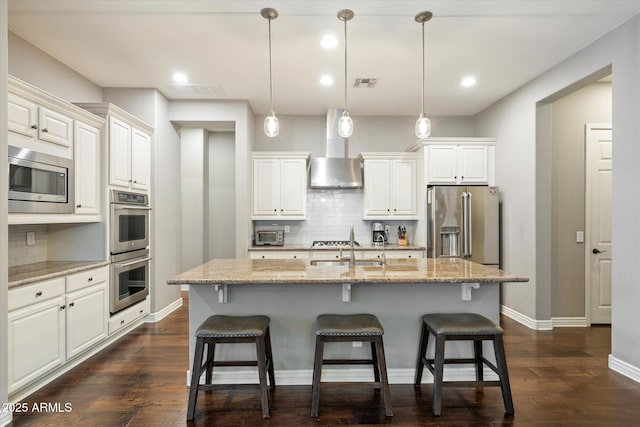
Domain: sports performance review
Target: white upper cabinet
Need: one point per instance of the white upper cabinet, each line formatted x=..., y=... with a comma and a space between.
x=22, y=116
x=87, y=172
x=129, y=141
x=55, y=127
x=390, y=186
x=279, y=185
x=459, y=161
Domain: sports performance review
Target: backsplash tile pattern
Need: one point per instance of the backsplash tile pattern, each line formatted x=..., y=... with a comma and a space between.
x=19, y=252
x=330, y=213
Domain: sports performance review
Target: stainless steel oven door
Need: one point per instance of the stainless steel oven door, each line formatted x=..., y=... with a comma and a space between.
x=129, y=279
x=129, y=228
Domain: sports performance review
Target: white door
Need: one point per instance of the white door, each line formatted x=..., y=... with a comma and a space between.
x=377, y=187
x=266, y=187
x=140, y=160
x=598, y=221
x=119, y=153
x=87, y=162
x=473, y=164
x=404, y=187
x=293, y=187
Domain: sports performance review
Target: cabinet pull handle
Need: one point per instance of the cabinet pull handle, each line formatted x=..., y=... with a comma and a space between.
x=78, y=206
x=34, y=126
x=71, y=304
x=90, y=279
x=62, y=307
x=39, y=294
x=122, y=322
x=45, y=130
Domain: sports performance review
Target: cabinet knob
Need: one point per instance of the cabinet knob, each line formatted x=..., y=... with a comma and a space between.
x=90, y=279
x=281, y=210
x=78, y=206
x=129, y=180
x=388, y=210
x=395, y=210
x=263, y=256
x=409, y=256
x=295, y=256
x=62, y=307
x=122, y=322
x=135, y=182
x=71, y=304
x=141, y=311
x=275, y=210
x=34, y=126
x=45, y=130
x=39, y=294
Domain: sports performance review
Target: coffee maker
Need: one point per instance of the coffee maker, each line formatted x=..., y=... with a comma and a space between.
x=378, y=234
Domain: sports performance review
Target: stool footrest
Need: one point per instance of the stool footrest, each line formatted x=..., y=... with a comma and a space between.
x=348, y=361
x=473, y=383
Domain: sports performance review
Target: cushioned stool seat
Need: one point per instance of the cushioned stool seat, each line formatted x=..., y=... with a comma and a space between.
x=462, y=326
x=220, y=329
x=350, y=327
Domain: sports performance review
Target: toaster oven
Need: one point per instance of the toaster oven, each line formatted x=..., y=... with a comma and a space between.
x=269, y=238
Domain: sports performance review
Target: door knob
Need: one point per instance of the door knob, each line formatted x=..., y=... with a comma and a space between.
x=596, y=251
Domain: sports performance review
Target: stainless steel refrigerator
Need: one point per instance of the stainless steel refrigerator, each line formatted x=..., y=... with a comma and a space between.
x=463, y=222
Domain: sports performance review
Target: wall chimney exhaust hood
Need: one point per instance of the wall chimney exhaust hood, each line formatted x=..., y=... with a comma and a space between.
x=335, y=170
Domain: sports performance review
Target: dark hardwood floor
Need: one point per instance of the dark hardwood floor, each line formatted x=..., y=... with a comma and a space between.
x=558, y=378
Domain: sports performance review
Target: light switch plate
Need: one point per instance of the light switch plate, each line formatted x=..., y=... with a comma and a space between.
x=579, y=236
x=31, y=238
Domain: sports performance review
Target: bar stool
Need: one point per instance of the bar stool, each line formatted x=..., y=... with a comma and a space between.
x=467, y=327
x=350, y=327
x=221, y=329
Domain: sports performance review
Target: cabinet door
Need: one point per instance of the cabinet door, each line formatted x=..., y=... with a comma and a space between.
x=473, y=164
x=36, y=341
x=140, y=160
x=119, y=153
x=278, y=254
x=22, y=116
x=55, y=128
x=377, y=187
x=293, y=188
x=404, y=191
x=266, y=190
x=87, y=170
x=86, y=318
x=442, y=164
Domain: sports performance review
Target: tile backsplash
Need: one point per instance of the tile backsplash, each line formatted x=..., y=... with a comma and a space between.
x=19, y=252
x=330, y=214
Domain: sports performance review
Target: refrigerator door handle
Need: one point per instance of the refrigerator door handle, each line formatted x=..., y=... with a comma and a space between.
x=469, y=227
x=465, y=231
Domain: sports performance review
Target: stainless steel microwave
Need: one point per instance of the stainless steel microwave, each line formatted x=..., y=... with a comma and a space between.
x=39, y=183
x=269, y=237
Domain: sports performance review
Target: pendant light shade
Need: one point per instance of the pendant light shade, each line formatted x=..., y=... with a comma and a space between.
x=423, y=124
x=271, y=124
x=345, y=124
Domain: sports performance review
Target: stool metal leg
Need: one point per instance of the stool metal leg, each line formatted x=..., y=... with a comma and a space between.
x=267, y=343
x=195, y=378
x=501, y=364
x=262, y=375
x=382, y=367
x=376, y=366
x=438, y=374
x=422, y=353
x=477, y=355
x=211, y=351
x=317, y=373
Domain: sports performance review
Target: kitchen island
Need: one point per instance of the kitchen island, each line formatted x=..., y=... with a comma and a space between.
x=293, y=292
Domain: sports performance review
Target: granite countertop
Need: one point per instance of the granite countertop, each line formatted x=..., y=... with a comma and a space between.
x=293, y=271
x=389, y=247
x=29, y=273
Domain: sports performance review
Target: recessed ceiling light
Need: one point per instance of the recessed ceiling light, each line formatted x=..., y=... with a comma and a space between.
x=329, y=42
x=326, y=80
x=468, y=81
x=180, y=78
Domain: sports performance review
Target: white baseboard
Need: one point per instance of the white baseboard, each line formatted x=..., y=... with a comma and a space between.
x=538, y=325
x=5, y=418
x=156, y=317
x=569, y=322
x=304, y=376
x=624, y=368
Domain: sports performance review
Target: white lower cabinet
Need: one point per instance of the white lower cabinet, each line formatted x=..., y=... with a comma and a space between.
x=278, y=254
x=52, y=321
x=126, y=317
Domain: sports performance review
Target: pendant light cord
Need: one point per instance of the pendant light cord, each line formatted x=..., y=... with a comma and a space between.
x=345, y=65
x=422, y=67
x=270, y=78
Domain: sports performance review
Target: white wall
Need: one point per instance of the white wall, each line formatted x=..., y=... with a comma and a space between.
x=222, y=187
x=5, y=417
x=513, y=121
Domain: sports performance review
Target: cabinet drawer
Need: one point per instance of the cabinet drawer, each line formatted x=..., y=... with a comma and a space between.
x=87, y=278
x=126, y=317
x=37, y=292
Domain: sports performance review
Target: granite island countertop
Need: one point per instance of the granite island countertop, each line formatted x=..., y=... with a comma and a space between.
x=295, y=271
x=388, y=247
x=30, y=273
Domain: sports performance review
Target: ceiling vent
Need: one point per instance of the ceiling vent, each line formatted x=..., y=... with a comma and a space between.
x=196, y=91
x=365, y=82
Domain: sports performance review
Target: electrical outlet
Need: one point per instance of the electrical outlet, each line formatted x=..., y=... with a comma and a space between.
x=356, y=343
x=287, y=228
x=31, y=238
x=579, y=236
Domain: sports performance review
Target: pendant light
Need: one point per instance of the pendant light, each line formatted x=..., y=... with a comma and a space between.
x=423, y=124
x=345, y=124
x=271, y=125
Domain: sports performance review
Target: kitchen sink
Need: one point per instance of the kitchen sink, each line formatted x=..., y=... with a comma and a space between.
x=345, y=262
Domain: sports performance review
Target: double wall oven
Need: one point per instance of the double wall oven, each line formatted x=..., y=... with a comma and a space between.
x=129, y=246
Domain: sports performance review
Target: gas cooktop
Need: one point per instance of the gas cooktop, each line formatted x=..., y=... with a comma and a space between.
x=332, y=243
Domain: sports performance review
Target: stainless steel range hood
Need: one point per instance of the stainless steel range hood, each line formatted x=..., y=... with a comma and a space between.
x=335, y=170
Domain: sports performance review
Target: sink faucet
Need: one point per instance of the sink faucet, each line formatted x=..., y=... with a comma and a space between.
x=380, y=237
x=352, y=254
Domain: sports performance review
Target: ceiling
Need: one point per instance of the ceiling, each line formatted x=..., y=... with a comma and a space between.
x=222, y=46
